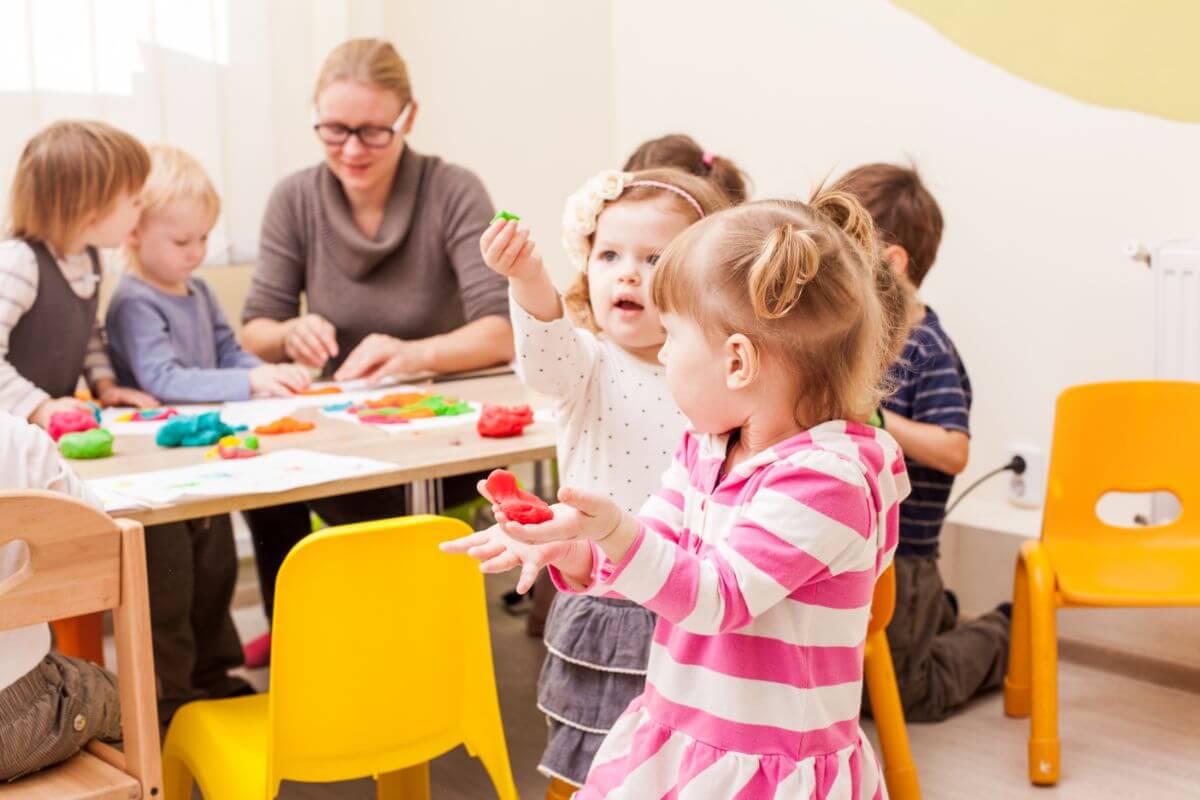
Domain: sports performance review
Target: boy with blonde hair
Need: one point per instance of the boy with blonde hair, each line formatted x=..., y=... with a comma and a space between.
x=167, y=335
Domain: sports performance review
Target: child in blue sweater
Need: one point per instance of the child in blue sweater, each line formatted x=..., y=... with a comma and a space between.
x=168, y=336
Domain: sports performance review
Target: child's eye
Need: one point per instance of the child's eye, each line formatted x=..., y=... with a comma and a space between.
x=609, y=256
x=180, y=242
x=652, y=260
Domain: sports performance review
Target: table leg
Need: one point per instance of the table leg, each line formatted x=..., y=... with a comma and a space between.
x=425, y=497
x=81, y=637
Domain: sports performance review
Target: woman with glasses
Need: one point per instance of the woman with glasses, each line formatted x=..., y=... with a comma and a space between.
x=383, y=242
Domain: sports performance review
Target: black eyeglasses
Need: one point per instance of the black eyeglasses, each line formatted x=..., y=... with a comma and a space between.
x=375, y=136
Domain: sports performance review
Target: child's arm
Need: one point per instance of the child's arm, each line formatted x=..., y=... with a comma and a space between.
x=508, y=250
x=32, y=461
x=230, y=353
x=138, y=334
x=932, y=445
x=18, y=290
x=553, y=357
x=806, y=523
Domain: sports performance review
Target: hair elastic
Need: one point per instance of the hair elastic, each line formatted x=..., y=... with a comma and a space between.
x=708, y=158
x=660, y=185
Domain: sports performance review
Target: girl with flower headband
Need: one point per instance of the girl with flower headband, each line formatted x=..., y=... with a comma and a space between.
x=617, y=422
x=761, y=550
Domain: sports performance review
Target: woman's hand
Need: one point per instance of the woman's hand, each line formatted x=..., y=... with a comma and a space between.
x=497, y=552
x=508, y=250
x=310, y=340
x=278, y=380
x=380, y=356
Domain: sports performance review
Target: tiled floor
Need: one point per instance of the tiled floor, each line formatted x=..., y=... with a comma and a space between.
x=1121, y=738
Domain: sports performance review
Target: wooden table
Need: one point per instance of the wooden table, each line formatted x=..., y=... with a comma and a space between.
x=418, y=458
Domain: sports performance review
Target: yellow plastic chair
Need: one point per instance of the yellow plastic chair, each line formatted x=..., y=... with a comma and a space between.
x=1139, y=436
x=381, y=661
x=899, y=772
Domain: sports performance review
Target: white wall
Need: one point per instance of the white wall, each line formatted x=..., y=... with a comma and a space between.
x=520, y=91
x=1038, y=190
x=228, y=80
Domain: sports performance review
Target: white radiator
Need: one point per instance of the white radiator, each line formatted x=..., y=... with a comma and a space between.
x=1176, y=268
x=1175, y=265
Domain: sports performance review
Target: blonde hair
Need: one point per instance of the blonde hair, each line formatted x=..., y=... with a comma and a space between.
x=807, y=284
x=577, y=298
x=373, y=62
x=69, y=172
x=174, y=175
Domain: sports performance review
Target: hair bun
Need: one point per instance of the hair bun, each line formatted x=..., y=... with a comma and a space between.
x=788, y=260
x=845, y=211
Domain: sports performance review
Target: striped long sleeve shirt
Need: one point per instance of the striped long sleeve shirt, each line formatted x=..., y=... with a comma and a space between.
x=18, y=290
x=933, y=388
x=762, y=580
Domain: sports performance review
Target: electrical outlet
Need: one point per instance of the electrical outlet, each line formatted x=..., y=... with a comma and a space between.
x=1029, y=488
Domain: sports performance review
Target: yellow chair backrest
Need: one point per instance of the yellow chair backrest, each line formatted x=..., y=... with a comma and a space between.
x=1133, y=436
x=883, y=601
x=376, y=641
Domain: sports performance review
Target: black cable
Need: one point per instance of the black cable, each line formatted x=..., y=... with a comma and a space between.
x=1017, y=465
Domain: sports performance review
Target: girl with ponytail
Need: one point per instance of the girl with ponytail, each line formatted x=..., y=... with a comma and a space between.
x=761, y=550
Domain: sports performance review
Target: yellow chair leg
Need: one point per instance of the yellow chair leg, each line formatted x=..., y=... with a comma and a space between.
x=1044, y=764
x=1016, y=681
x=899, y=772
x=411, y=783
x=559, y=790
x=177, y=779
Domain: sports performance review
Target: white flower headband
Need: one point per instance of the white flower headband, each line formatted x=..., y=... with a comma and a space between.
x=585, y=205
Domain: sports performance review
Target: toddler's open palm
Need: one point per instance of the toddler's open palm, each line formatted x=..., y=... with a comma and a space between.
x=496, y=551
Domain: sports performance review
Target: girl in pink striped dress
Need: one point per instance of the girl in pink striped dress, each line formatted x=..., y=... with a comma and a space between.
x=779, y=511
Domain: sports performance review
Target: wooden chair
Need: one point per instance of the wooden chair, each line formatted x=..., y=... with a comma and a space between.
x=899, y=772
x=81, y=561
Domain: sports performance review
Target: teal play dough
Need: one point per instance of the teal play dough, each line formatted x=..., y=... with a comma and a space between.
x=96, y=443
x=199, y=430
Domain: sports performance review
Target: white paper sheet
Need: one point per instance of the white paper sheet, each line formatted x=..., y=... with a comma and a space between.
x=278, y=471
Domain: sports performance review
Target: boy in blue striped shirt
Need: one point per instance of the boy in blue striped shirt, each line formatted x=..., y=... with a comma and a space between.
x=940, y=662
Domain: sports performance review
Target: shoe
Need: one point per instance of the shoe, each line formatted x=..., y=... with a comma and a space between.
x=257, y=652
x=952, y=599
x=517, y=604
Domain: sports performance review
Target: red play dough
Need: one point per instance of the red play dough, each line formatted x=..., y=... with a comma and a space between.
x=503, y=421
x=64, y=422
x=517, y=504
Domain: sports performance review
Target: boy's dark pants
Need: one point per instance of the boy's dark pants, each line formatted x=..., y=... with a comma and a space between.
x=192, y=568
x=940, y=662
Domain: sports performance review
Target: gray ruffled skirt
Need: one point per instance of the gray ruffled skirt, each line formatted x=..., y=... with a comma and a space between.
x=597, y=649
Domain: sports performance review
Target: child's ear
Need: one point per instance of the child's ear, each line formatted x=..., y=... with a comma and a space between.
x=897, y=257
x=742, y=362
x=134, y=239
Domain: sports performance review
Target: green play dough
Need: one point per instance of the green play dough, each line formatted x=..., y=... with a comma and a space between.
x=504, y=215
x=96, y=443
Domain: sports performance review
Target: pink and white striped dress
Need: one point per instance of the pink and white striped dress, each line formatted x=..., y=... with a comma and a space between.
x=762, y=583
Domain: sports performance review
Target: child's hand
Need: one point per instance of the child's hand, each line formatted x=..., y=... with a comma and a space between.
x=278, y=380
x=113, y=395
x=52, y=405
x=508, y=250
x=580, y=516
x=496, y=552
x=310, y=340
